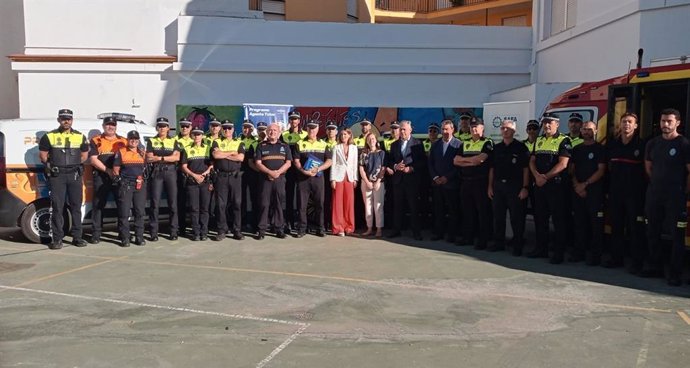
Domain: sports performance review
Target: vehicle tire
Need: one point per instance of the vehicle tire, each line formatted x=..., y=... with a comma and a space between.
x=35, y=222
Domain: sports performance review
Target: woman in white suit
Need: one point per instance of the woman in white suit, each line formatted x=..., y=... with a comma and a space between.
x=343, y=180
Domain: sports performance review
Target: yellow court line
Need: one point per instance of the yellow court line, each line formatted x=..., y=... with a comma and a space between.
x=47, y=277
x=61, y=253
x=684, y=316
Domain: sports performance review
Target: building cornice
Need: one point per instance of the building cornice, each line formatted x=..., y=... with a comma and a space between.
x=113, y=59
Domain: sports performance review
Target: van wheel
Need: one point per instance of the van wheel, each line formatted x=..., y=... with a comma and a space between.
x=35, y=222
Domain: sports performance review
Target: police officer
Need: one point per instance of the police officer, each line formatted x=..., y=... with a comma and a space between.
x=183, y=139
x=273, y=159
x=426, y=205
x=394, y=136
x=101, y=153
x=508, y=188
x=588, y=166
x=548, y=163
x=228, y=156
x=627, y=189
x=312, y=159
x=473, y=158
x=128, y=167
x=248, y=177
x=463, y=132
x=163, y=153
x=432, y=136
x=213, y=132
x=290, y=137
x=667, y=163
x=574, y=126
x=360, y=141
x=331, y=134
x=197, y=165
x=63, y=151
x=532, y=131
x=388, y=198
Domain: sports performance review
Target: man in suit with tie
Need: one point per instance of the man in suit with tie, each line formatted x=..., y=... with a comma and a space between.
x=445, y=182
x=407, y=162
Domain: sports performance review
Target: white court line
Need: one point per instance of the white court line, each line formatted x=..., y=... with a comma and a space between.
x=281, y=347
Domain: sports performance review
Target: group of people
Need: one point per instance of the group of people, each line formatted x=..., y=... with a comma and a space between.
x=460, y=180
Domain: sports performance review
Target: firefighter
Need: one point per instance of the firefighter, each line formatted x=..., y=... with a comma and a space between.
x=63, y=151
x=291, y=137
x=312, y=159
x=463, y=133
x=228, y=156
x=128, y=167
x=667, y=163
x=197, y=165
x=473, y=158
x=184, y=140
x=272, y=158
x=547, y=164
x=163, y=154
x=588, y=166
x=101, y=153
x=248, y=178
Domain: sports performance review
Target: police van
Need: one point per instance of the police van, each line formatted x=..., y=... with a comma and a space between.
x=24, y=190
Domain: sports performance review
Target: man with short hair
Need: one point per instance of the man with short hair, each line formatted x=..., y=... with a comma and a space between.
x=63, y=152
x=588, y=165
x=463, y=132
x=291, y=137
x=508, y=188
x=228, y=156
x=184, y=140
x=273, y=158
x=163, y=153
x=101, y=153
x=248, y=178
x=445, y=183
x=667, y=163
x=360, y=141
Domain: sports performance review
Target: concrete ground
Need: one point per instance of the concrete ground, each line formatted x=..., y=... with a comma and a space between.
x=327, y=302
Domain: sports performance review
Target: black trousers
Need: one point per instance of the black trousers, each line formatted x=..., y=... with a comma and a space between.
x=289, y=197
x=327, y=200
x=666, y=217
x=131, y=199
x=406, y=193
x=181, y=201
x=506, y=200
x=589, y=221
x=66, y=188
x=627, y=217
x=389, y=202
x=102, y=187
x=476, y=209
x=272, y=196
x=310, y=188
x=249, y=195
x=548, y=202
x=569, y=212
x=228, y=193
x=446, y=202
x=164, y=179
x=199, y=198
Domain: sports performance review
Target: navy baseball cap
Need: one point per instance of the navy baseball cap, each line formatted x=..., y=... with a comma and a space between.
x=133, y=134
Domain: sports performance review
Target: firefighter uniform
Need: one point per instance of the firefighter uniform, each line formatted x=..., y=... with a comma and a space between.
x=228, y=187
x=665, y=205
x=65, y=148
x=273, y=156
x=291, y=139
x=182, y=142
x=549, y=197
x=311, y=154
x=198, y=161
x=163, y=174
x=104, y=148
x=131, y=192
x=475, y=201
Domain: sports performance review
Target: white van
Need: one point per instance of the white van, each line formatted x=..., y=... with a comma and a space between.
x=23, y=183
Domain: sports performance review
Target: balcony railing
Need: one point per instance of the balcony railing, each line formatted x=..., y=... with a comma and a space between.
x=424, y=6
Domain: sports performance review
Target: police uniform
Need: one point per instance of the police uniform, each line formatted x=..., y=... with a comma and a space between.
x=426, y=206
x=248, y=182
x=473, y=196
x=131, y=193
x=589, y=211
x=208, y=140
x=311, y=154
x=255, y=190
x=328, y=193
x=228, y=186
x=65, y=150
x=198, y=161
x=182, y=142
x=549, y=197
x=163, y=174
x=627, y=187
x=104, y=149
x=665, y=205
x=360, y=142
x=291, y=139
x=509, y=163
x=388, y=198
x=273, y=156
x=459, y=134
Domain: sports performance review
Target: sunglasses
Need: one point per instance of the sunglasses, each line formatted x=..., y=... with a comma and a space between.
x=228, y=128
x=161, y=126
x=195, y=134
x=185, y=127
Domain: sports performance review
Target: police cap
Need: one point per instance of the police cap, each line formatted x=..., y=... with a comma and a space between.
x=162, y=121
x=476, y=121
x=313, y=124
x=65, y=113
x=185, y=122
x=550, y=116
x=261, y=125
x=227, y=124
x=214, y=121
x=533, y=123
x=575, y=117
x=294, y=114
x=433, y=126
x=109, y=120
x=133, y=134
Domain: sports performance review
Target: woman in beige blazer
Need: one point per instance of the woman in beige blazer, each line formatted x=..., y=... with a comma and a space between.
x=343, y=180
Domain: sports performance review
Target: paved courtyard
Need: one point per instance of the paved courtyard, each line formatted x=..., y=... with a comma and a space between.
x=327, y=302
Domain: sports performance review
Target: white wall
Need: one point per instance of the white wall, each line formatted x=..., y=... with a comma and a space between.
x=11, y=42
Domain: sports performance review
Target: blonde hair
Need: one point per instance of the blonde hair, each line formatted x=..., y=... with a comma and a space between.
x=340, y=136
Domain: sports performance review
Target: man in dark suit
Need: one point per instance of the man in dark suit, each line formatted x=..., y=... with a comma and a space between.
x=445, y=182
x=407, y=160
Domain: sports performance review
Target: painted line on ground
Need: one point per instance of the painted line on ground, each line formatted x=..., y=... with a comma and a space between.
x=77, y=269
x=644, y=348
x=262, y=363
x=684, y=316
